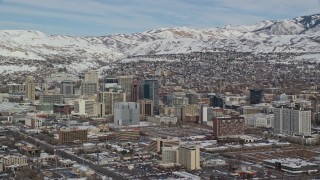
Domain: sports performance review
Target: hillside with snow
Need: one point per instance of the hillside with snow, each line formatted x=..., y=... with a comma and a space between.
x=32, y=50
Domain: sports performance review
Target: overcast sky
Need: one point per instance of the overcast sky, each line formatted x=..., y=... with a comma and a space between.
x=103, y=17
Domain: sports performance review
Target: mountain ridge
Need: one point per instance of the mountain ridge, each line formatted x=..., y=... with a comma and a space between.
x=297, y=35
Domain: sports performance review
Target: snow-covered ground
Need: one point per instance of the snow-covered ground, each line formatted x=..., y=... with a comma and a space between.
x=298, y=35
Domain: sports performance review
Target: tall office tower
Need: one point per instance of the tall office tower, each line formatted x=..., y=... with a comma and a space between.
x=67, y=88
x=125, y=82
x=126, y=113
x=193, y=98
x=88, y=89
x=217, y=101
x=150, y=90
x=189, y=156
x=91, y=76
x=110, y=98
x=30, y=88
x=255, y=96
x=135, y=91
x=292, y=121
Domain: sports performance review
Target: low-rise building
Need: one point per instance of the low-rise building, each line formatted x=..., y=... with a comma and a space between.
x=163, y=119
x=71, y=135
x=291, y=165
x=62, y=109
x=35, y=122
x=82, y=171
x=14, y=162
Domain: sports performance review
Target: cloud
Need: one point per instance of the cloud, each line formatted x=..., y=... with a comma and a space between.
x=91, y=17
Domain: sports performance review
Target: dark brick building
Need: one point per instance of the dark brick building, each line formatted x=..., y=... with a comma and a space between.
x=227, y=126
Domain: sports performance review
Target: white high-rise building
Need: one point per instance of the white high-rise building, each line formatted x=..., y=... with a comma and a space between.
x=292, y=121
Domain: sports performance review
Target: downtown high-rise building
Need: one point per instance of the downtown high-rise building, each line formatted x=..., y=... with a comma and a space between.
x=91, y=76
x=150, y=90
x=90, y=84
x=89, y=89
x=292, y=121
x=110, y=98
x=125, y=82
x=135, y=90
x=67, y=88
x=126, y=113
x=255, y=96
x=30, y=92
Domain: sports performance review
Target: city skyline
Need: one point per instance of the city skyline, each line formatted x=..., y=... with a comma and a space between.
x=90, y=18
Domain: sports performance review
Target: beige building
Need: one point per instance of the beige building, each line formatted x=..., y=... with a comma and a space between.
x=126, y=83
x=84, y=107
x=30, y=91
x=168, y=111
x=189, y=157
x=98, y=109
x=91, y=76
x=191, y=110
x=170, y=155
x=146, y=108
x=14, y=161
x=157, y=144
x=110, y=98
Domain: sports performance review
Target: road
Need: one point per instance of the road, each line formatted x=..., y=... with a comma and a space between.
x=51, y=149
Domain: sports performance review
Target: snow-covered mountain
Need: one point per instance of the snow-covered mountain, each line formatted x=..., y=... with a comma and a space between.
x=18, y=47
